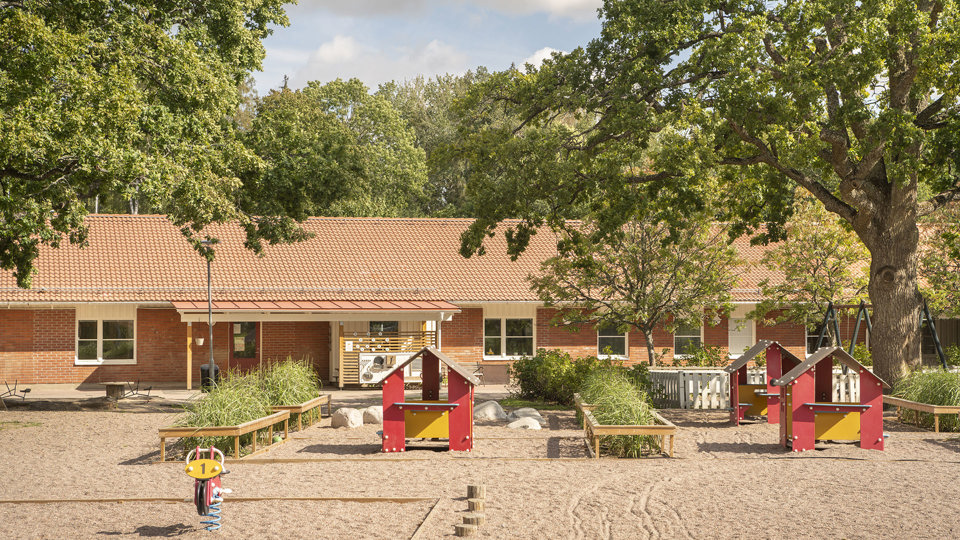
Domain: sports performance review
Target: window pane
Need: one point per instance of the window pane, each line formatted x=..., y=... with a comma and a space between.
x=376, y=327
x=617, y=345
x=609, y=330
x=519, y=327
x=688, y=330
x=491, y=327
x=245, y=340
x=87, y=350
x=686, y=345
x=118, y=349
x=491, y=346
x=117, y=329
x=519, y=346
x=87, y=330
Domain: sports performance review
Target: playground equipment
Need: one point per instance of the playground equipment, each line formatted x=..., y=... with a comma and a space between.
x=429, y=417
x=207, y=487
x=758, y=399
x=808, y=412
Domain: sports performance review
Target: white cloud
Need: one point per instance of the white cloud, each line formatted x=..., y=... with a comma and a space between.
x=538, y=57
x=345, y=57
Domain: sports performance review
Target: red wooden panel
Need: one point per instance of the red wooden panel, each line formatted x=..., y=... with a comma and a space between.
x=735, y=398
x=460, y=391
x=774, y=371
x=394, y=430
x=871, y=420
x=804, y=419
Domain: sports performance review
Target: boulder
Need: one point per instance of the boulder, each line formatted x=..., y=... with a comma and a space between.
x=489, y=410
x=347, y=417
x=528, y=422
x=526, y=412
x=373, y=414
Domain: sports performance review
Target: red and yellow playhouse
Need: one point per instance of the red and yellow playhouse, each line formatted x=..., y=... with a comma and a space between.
x=429, y=417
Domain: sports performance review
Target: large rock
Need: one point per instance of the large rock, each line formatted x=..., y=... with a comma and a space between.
x=526, y=412
x=347, y=417
x=373, y=414
x=527, y=422
x=489, y=410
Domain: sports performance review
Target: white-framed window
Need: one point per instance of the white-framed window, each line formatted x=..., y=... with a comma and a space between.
x=507, y=338
x=106, y=335
x=609, y=338
x=741, y=330
x=378, y=328
x=686, y=339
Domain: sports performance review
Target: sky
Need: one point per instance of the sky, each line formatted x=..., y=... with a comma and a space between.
x=383, y=40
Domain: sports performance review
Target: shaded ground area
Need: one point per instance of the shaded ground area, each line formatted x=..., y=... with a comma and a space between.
x=724, y=482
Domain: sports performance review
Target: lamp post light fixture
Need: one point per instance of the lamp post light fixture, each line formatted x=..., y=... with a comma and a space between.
x=208, y=244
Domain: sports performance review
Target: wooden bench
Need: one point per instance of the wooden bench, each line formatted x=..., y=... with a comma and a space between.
x=935, y=410
x=593, y=430
x=228, y=431
x=314, y=403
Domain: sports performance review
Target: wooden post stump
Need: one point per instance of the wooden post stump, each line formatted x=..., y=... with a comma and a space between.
x=475, y=505
x=476, y=491
x=466, y=530
x=473, y=518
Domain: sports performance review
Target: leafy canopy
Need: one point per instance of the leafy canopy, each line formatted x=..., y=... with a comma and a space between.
x=122, y=98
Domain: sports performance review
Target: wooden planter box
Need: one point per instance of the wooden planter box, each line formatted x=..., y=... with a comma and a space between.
x=314, y=403
x=593, y=430
x=266, y=422
x=935, y=410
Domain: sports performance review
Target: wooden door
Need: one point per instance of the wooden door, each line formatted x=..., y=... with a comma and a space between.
x=244, y=346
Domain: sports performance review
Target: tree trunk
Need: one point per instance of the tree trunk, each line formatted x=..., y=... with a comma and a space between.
x=651, y=353
x=893, y=241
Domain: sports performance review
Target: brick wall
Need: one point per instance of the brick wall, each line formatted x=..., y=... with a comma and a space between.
x=16, y=346
x=790, y=335
x=298, y=340
x=577, y=340
x=461, y=337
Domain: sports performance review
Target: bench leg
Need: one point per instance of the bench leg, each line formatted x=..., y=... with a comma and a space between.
x=936, y=423
x=596, y=447
x=286, y=429
x=236, y=446
x=270, y=436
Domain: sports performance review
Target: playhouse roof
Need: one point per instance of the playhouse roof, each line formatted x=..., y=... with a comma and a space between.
x=837, y=353
x=444, y=359
x=755, y=351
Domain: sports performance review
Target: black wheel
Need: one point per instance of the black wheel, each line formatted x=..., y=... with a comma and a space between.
x=200, y=497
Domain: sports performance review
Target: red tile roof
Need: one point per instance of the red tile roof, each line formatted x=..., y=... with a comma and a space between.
x=145, y=259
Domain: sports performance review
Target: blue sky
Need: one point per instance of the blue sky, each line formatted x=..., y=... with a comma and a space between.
x=382, y=40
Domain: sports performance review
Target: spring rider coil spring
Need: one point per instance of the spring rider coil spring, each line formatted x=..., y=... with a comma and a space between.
x=207, y=487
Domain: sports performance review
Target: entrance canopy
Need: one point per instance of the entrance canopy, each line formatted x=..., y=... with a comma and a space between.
x=317, y=310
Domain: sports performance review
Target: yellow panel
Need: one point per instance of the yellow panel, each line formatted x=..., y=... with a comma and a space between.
x=427, y=424
x=837, y=426
x=748, y=395
x=789, y=412
x=203, y=469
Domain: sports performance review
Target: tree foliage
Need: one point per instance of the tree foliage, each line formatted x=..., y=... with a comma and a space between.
x=940, y=264
x=122, y=99
x=640, y=276
x=821, y=260
x=855, y=102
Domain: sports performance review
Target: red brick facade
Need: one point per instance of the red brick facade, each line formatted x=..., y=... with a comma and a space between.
x=461, y=337
x=39, y=346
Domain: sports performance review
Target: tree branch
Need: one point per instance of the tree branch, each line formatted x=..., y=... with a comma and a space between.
x=940, y=200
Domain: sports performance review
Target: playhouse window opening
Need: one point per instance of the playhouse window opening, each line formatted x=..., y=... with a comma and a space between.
x=687, y=339
x=105, y=341
x=610, y=341
x=508, y=337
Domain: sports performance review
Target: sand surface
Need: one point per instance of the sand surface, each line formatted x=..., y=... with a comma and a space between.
x=725, y=482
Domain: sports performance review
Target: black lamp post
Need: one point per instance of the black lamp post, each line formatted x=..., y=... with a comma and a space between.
x=210, y=373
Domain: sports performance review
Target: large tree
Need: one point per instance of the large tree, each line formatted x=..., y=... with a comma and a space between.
x=126, y=100
x=854, y=102
x=641, y=276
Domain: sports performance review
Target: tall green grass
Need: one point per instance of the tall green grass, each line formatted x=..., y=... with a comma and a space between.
x=935, y=387
x=236, y=399
x=291, y=382
x=620, y=401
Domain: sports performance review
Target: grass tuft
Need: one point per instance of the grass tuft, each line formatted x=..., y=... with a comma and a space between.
x=619, y=401
x=934, y=387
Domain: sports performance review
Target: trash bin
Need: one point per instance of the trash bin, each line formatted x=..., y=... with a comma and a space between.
x=205, y=376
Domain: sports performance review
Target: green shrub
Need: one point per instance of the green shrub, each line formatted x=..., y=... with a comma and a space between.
x=707, y=356
x=236, y=399
x=551, y=375
x=863, y=355
x=934, y=387
x=953, y=355
x=619, y=401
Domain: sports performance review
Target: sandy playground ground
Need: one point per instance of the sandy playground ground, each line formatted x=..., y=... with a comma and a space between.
x=725, y=482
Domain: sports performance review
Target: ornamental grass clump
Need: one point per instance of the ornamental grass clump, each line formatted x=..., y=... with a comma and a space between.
x=619, y=401
x=291, y=382
x=236, y=399
x=934, y=387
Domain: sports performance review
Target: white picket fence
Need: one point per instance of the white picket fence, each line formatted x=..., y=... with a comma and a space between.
x=710, y=388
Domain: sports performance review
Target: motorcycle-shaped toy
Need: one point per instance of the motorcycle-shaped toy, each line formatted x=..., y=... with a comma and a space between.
x=208, y=490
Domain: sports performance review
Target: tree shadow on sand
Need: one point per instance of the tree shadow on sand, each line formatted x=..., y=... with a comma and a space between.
x=151, y=531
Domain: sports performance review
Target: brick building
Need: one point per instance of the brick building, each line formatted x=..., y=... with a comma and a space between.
x=357, y=295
